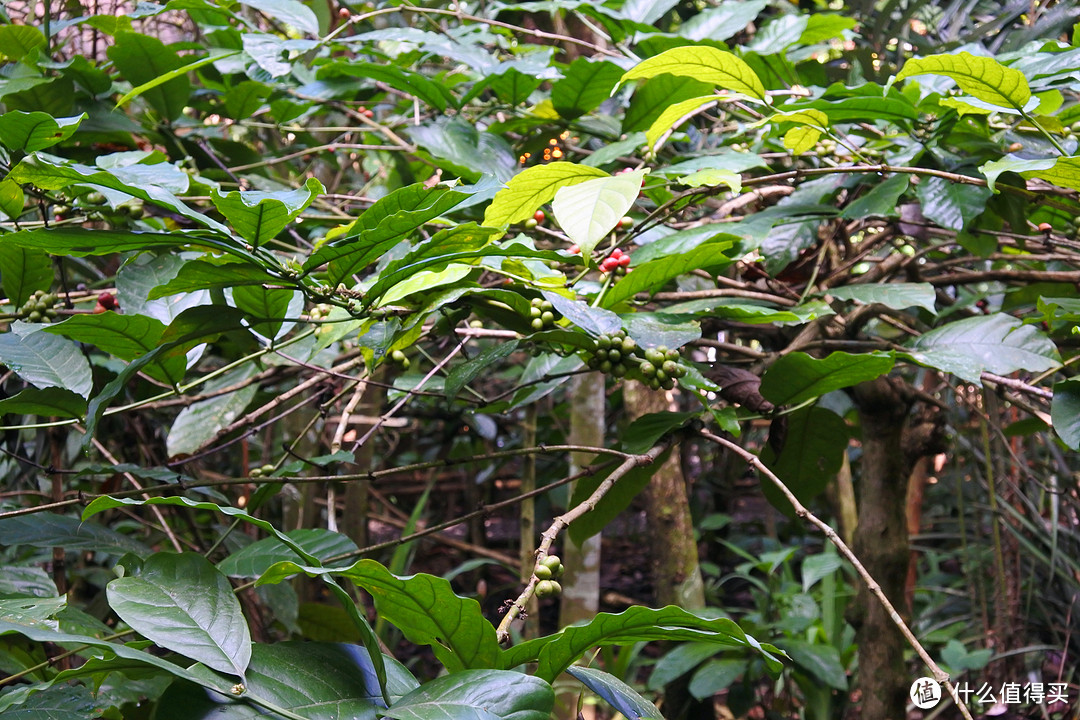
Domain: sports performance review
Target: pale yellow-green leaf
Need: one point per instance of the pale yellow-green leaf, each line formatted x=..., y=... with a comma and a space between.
x=800, y=139
x=712, y=177
x=1050, y=102
x=983, y=77
x=706, y=64
x=1064, y=173
x=809, y=116
x=589, y=211
x=425, y=280
x=531, y=188
x=962, y=108
x=675, y=115
x=545, y=109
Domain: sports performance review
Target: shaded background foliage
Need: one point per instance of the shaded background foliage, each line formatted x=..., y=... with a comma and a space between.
x=259, y=256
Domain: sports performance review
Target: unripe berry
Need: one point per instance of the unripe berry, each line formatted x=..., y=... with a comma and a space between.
x=530, y=224
x=537, y=324
x=542, y=572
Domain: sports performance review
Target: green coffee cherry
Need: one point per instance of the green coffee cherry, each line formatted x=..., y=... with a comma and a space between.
x=545, y=588
x=542, y=572
x=552, y=562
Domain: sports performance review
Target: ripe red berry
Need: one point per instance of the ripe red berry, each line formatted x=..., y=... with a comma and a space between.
x=539, y=216
x=343, y=13
x=624, y=260
x=574, y=249
x=107, y=300
x=1045, y=227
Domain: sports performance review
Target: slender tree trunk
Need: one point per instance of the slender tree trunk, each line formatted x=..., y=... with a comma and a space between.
x=673, y=557
x=881, y=543
x=581, y=582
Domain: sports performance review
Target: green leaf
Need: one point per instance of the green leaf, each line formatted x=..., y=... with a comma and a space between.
x=139, y=277
x=800, y=139
x=715, y=675
x=259, y=216
x=477, y=695
x=951, y=205
x=703, y=63
x=182, y=603
x=898, y=296
x=585, y=84
x=821, y=661
x=1065, y=412
x=60, y=702
x=23, y=271
x=30, y=131
x=142, y=59
x=45, y=360
x=711, y=177
x=658, y=94
x=79, y=242
x=428, y=91
x=625, y=489
x=1065, y=172
x=992, y=170
x=47, y=402
x=17, y=41
x=652, y=276
x=719, y=23
x=798, y=377
x=266, y=307
x=135, y=180
x=313, y=679
x=618, y=694
x=646, y=11
x=245, y=98
x=813, y=451
x=675, y=115
x=595, y=321
x=212, y=274
x=651, y=330
x=822, y=26
x=425, y=280
x=556, y=653
x=514, y=87
x=423, y=607
x=985, y=78
x=293, y=12
x=48, y=530
x=178, y=72
x=997, y=343
x=531, y=188
x=678, y=661
x=882, y=200
x=588, y=211
x=460, y=147
x=646, y=430
x=199, y=423
x=463, y=374
x=12, y=199
x=255, y=559
x=127, y=337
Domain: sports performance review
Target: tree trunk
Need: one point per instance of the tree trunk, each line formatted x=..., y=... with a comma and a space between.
x=673, y=556
x=881, y=543
x=581, y=582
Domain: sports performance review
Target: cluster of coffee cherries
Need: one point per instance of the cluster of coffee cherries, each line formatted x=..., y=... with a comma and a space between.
x=546, y=571
x=616, y=262
x=620, y=356
x=264, y=471
x=39, y=307
x=541, y=314
x=320, y=312
x=401, y=359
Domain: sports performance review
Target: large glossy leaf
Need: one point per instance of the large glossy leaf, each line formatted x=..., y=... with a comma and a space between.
x=320, y=681
x=18, y=40
x=949, y=204
x=531, y=188
x=714, y=676
x=618, y=694
x=182, y=603
x=646, y=11
x=820, y=661
x=465, y=150
x=997, y=343
x=141, y=59
x=423, y=607
x=209, y=274
x=428, y=91
x=259, y=216
x=882, y=200
x=35, y=130
x=719, y=23
x=654, y=96
x=125, y=336
x=79, y=242
x=293, y=12
x=897, y=296
x=45, y=360
x=705, y=64
x=477, y=695
x=255, y=559
x=463, y=374
x=1065, y=172
x=557, y=652
x=652, y=276
x=266, y=308
x=584, y=86
x=1065, y=412
x=656, y=329
x=595, y=321
x=134, y=180
x=813, y=451
x=137, y=281
x=47, y=530
x=678, y=661
x=588, y=211
x=59, y=702
x=12, y=199
x=798, y=377
x=47, y=402
x=23, y=271
x=676, y=114
x=985, y=78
